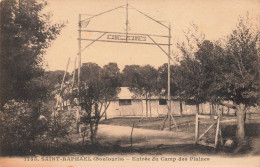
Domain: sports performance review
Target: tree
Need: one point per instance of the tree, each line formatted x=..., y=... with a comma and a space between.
x=26, y=32
x=54, y=81
x=142, y=81
x=187, y=70
x=242, y=82
x=234, y=71
x=163, y=82
x=130, y=70
x=163, y=79
x=98, y=87
x=111, y=81
x=211, y=58
x=229, y=71
x=55, y=77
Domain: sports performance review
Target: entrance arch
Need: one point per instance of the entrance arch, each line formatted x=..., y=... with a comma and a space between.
x=126, y=37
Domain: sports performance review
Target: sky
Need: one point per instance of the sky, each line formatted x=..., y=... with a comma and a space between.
x=216, y=19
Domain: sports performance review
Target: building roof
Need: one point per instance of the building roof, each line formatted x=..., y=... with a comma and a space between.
x=125, y=93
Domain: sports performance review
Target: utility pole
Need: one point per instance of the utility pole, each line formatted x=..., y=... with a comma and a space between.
x=74, y=73
x=126, y=23
x=79, y=53
x=63, y=80
x=65, y=73
x=169, y=78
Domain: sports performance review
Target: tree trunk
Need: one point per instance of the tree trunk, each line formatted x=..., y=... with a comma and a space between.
x=150, y=108
x=96, y=128
x=97, y=118
x=198, y=108
x=146, y=106
x=105, y=110
x=106, y=115
x=181, y=108
x=210, y=108
x=91, y=129
x=90, y=125
x=217, y=110
x=240, y=133
x=213, y=109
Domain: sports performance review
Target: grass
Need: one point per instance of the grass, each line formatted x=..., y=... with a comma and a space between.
x=145, y=123
x=186, y=123
x=252, y=129
x=228, y=128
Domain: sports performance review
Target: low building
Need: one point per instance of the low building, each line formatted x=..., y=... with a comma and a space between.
x=127, y=104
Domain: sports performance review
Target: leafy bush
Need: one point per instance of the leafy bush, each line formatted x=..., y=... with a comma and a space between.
x=22, y=128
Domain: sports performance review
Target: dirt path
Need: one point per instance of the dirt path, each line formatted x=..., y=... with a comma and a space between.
x=110, y=134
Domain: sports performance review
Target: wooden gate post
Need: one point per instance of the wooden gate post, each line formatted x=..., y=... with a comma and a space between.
x=196, y=128
x=217, y=133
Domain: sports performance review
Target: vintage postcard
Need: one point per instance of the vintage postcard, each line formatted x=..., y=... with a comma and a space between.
x=89, y=83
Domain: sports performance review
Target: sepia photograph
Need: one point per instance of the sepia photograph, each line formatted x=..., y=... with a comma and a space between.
x=117, y=83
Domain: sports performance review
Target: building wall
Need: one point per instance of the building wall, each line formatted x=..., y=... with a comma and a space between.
x=115, y=110
x=188, y=109
x=138, y=108
x=155, y=109
x=206, y=108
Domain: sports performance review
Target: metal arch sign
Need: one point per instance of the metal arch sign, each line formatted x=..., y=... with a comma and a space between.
x=126, y=37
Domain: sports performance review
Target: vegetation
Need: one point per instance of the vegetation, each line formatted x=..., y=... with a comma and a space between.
x=26, y=32
x=228, y=71
x=142, y=80
x=211, y=71
x=97, y=88
x=207, y=71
